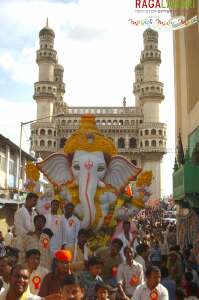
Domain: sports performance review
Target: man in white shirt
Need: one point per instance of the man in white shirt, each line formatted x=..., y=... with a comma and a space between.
x=126, y=237
x=152, y=289
x=24, y=216
x=37, y=272
x=53, y=219
x=67, y=231
x=129, y=275
x=142, y=253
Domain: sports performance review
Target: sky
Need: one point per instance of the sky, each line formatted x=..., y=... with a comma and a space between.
x=98, y=47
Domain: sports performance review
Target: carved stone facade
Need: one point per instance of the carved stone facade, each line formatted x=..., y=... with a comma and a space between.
x=136, y=131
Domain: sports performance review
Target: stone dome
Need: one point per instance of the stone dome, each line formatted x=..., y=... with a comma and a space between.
x=139, y=67
x=59, y=67
x=46, y=30
x=150, y=32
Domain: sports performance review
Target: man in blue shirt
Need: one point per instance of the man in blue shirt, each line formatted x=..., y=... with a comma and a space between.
x=168, y=283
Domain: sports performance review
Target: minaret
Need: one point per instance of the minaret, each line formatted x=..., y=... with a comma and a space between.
x=45, y=89
x=43, y=132
x=151, y=93
x=148, y=91
x=60, y=87
x=139, y=73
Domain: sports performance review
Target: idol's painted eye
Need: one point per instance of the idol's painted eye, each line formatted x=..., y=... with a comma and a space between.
x=76, y=167
x=100, y=168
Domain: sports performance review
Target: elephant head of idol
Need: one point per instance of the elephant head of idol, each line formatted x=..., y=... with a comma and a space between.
x=90, y=159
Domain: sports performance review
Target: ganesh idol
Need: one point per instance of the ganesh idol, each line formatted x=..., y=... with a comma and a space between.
x=89, y=173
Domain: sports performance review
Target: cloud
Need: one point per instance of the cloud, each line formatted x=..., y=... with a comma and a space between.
x=12, y=113
x=85, y=33
x=21, y=66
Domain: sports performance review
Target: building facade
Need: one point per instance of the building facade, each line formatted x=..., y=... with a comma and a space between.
x=9, y=166
x=136, y=131
x=185, y=176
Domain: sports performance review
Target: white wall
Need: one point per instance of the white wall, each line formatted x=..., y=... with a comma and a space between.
x=44, y=109
x=46, y=72
x=151, y=71
x=151, y=112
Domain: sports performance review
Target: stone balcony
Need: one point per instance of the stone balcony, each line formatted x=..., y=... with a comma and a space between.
x=44, y=89
x=151, y=55
x=158, y=149
x=44, y=55
x=103, y=111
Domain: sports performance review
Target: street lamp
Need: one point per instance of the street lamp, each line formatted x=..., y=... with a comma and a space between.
x=20, y=143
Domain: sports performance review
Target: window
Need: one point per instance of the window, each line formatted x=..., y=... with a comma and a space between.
x=146, y=132
x=120, y=122
x=153, y=132
x=127, y=122
x=132, y=143
x=160, y=132
x=3, y=163
x=49, y=132
x=42, y=131
x=63, y=122
x=121, y=143
x=160, y=143
x=49, y=143
x=54, y=144
x=62, y=142
x=153, y=143
x=42, y=143
x=146, y=143
x=11, y=167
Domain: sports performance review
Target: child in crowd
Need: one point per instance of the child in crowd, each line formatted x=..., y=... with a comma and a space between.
x=91, y=277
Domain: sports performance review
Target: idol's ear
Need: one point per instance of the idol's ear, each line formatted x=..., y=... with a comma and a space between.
x=56, y=168
x=120, y=171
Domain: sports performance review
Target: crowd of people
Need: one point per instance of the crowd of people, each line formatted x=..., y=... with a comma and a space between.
x=49, y=257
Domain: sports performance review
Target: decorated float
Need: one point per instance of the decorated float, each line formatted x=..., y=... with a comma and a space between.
x=104, y=187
